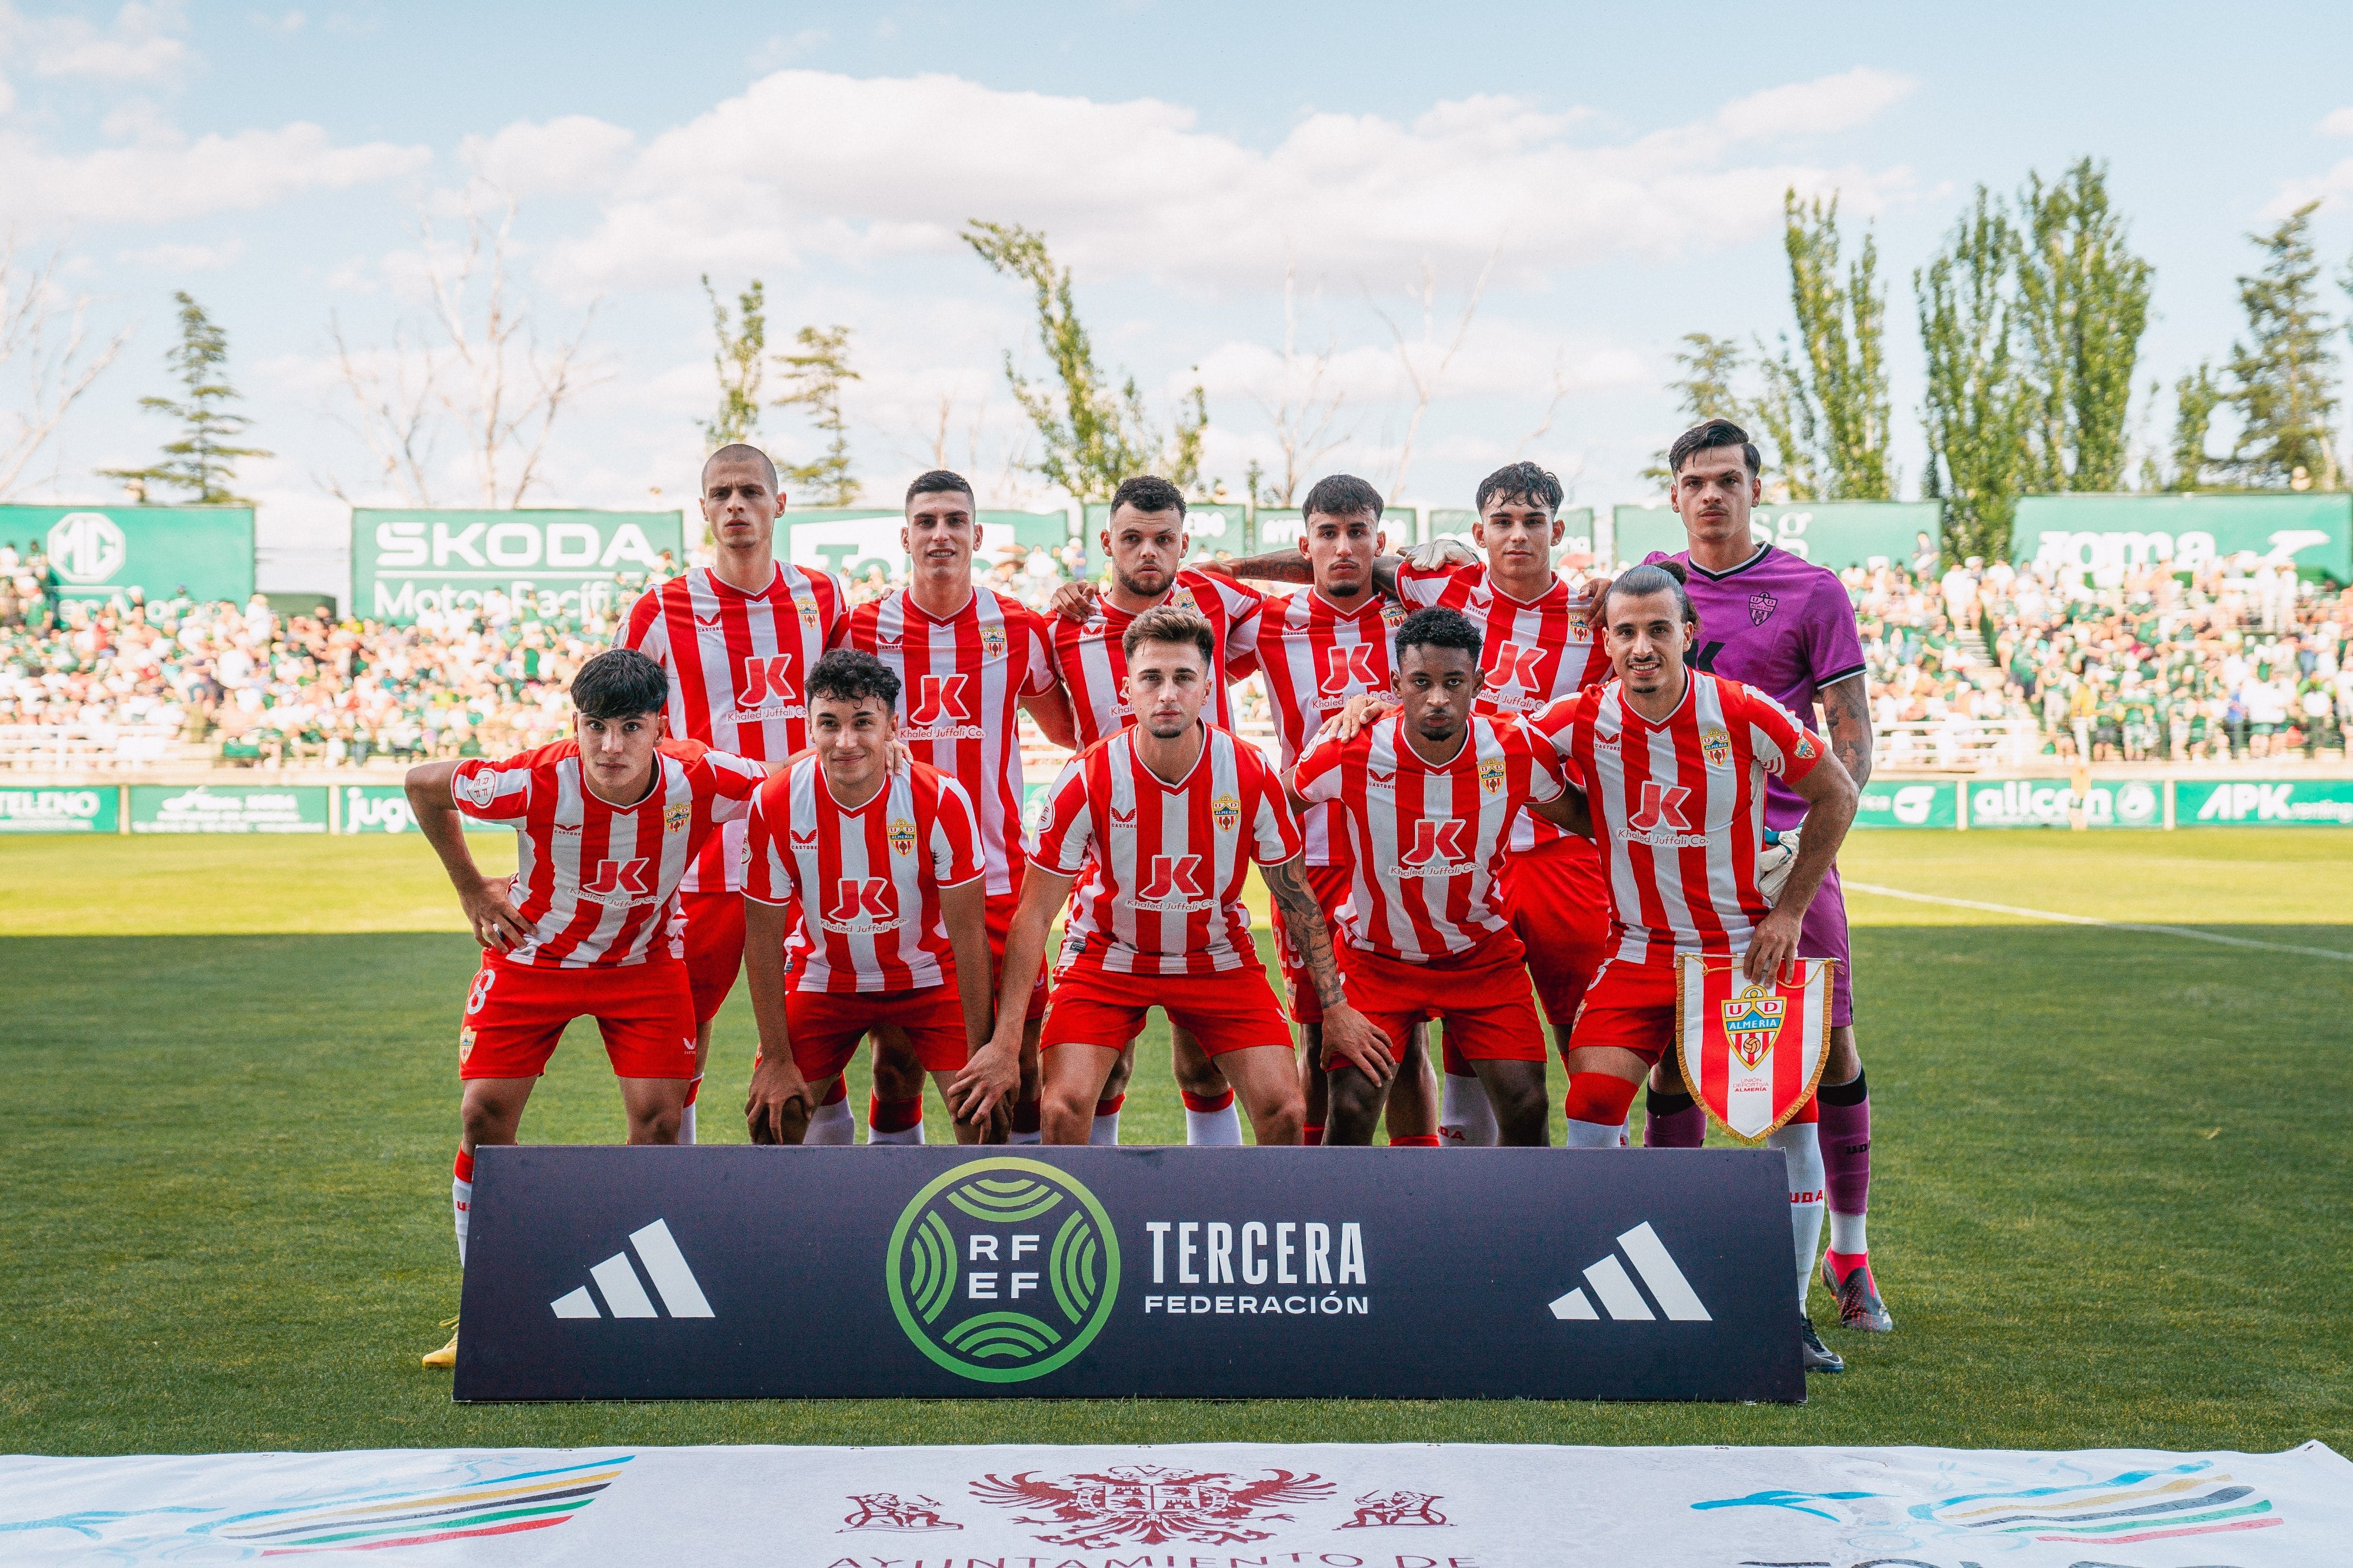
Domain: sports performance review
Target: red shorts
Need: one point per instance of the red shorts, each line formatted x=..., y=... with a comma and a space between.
x=1226, y=1012
x=1000, y=920
x=1331, y=885
x=1631, y=1006
x=1482, y=996
x=714, y=947
x=515, y=1013
x=826, y=1026
x=1559, y=907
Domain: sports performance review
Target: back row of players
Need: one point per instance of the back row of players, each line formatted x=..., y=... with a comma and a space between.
x=845, y=829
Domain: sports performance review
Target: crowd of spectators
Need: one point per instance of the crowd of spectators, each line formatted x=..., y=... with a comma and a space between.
x=2238, y=659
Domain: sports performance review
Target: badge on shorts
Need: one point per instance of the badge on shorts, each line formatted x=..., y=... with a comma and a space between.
x=675, y=817
x=992, y=642
x=902, y=834
x=1491, y=775
x=1716, y=747
x=1227, y=811
x=465, y=1046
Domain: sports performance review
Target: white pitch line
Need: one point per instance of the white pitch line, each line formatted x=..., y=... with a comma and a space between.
x=2095, y=921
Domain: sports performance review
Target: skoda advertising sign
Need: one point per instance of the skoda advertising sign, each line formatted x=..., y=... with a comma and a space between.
x=99, y=551
x=552, y=564
x=944, y=1272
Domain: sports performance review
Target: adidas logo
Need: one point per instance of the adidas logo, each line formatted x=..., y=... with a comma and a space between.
x=1620, y=1299
x=625, y=1294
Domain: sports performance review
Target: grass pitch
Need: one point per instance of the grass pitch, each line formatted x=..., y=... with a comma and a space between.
x=2111, y=1203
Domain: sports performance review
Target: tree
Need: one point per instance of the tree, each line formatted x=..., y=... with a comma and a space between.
x=1304, y=409
x=2195, y=398
x=45, y=338
x=2083, y=303
x=1829, y=412
x=1095, y=436
x=1977, y=407
x=1424, y=374
x=202, y=462
x=816, y=376
x=2282, y=379
x=1703, y=391
x=739, y=361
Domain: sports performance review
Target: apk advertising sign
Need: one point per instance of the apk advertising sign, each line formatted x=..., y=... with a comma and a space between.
x=940, y=1272
x=550, y=564
x=99, y=551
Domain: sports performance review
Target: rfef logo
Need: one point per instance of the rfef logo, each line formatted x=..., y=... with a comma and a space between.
x=1003, y=1269
x=1351, y=668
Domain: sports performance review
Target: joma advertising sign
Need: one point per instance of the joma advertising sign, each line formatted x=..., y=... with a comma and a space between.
x=605, y=1273
x=2108, y=534
x=99, y=551
x=548, y=564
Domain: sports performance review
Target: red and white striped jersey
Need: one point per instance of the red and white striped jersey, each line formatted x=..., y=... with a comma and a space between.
x=1092, y=664
x=1316, y=656
x=963, y=679
x=598, y=884
x=1164, y=864
x=737, y=662
x=1538, y=650
x=868, y=879
x=1427, y=839
x=1679, y=807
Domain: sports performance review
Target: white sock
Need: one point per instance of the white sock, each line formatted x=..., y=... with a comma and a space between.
x=1220, y=1129
x=1801, y=1143
x=832, y=1124
x=1589, y=1135
x=1105, y=1133
x=905, y=1135
x=686, y=1123
x=461, y=1198
x=1466, y=1119
x=1846, y=1233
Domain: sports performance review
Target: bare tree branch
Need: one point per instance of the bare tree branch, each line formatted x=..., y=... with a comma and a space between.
x=1301, y=414
x=394, y=406
x=1424, y=383
x=45, y=340
x=1559, y=391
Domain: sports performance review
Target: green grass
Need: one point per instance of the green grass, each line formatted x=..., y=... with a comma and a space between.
x=2110, y=1206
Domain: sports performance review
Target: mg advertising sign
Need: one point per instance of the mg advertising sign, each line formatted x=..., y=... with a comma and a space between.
x=940, y=1272
x=549, y=563
x=2107, y=533
x=1836, y=534
x=94, y=810
x=99, y=551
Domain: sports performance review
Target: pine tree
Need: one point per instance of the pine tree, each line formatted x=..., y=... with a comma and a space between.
x=1829, y=412
x=202, y=462
x=2083, y=298
x=2195, y=398
x=739, y=361
x=2283, y=382
x=817, y=375
x=1976, y=410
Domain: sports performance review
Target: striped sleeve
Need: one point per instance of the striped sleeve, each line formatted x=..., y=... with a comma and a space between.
x=644, y=629
x=768, y=866
x=492, y=791
x=1066, y=825
x=730, y=782
x=1274, y=828
x=1547, y=773
x=1421, y=586
x=956, y=838
x=1787, y=748
x=1317, y=776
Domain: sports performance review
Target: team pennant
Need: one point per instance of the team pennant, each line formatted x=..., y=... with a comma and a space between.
x=1752, y=1053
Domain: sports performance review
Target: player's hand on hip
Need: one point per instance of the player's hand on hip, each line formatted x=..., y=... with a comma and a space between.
x=1362, y=710
x=1074, y=601
x=496, y=924
x=1354, y=1040
x=1775, y=945
x=779, y=1099
x=991, y=1078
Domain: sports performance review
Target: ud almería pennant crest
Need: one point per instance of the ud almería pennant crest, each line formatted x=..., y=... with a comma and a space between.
x=1751, y=1053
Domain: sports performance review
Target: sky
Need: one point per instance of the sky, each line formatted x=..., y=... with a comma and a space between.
x=1601, y=182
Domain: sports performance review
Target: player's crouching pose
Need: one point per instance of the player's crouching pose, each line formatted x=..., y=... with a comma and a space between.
x=1165, y=818
x=883, y=867
x=1429, y=793
x=607, y=824
x=1674, y=762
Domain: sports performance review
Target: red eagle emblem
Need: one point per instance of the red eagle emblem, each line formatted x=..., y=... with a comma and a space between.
x=1148, y=1504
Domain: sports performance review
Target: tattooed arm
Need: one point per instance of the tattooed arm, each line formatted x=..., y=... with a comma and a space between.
x=1846, y=713
x=1349, y=1037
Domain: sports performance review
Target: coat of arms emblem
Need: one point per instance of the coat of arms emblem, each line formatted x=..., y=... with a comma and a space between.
x=1716, y=747
x=992, y=642
x=1752, y=1021
x=1147, y=1504
x=1761, y=608
x=1227, y=811
x=902, y=834
x=1491, y=775
x=675, y=817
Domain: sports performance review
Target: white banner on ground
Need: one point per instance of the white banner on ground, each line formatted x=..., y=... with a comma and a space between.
x=1240, y=1505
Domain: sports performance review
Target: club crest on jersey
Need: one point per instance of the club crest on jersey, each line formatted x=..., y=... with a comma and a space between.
x=1392, y=613
x=676, y=818
x=1227, y=811
x=1752, y=1021
x=1716, y=747
x=1761, y=608
x=1181, y=598
x=478, y=788
x=992, y=642
x=808, y=612
x=1491, y=775
x=902, y=834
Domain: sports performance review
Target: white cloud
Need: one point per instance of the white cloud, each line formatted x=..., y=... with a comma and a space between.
x=563, y=157
x=2331, y=187
x=166, y=177
x=173, y=257
x=2337, y=122
x=808, y=163
x=138, y=46
x=785, y=48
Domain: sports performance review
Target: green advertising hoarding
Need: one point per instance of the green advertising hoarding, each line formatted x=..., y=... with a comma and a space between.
x=2110, y=532
x=548, y=564
x=2050, y=803
x=228, y=809
x=72, y=809
x=1456, y=523
x=1908, y=803
x=1837, y=534
x=2264, y=803
x=1279, y=527
x=99, y=551
x=384, y=808
x=851, y=541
